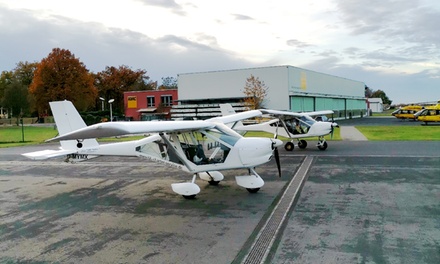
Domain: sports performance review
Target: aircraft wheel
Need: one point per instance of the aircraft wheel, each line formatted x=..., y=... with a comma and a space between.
x=302, y=144
x=214, y=183
x=189, y=197
x=323, y=146
x=289, y=146
x=253, y=190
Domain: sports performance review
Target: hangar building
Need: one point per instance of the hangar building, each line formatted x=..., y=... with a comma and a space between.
x=289, y=88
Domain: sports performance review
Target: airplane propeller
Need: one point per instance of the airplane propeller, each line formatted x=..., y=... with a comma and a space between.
x=333, y=129
x=275, y=136
x=275, y=144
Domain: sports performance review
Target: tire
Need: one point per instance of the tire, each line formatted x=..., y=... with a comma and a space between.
x=214, y=183
x=289, y=146
x=253, y=190
x=302, y=144
x=323, y=146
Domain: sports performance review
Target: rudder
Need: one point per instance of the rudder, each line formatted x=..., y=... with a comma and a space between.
x=67, y=119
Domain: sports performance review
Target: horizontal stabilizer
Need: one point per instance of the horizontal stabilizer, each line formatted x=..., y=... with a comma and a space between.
x=47, y=154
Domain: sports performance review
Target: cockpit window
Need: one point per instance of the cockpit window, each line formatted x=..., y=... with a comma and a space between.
x=222, y=132
x=307, y=121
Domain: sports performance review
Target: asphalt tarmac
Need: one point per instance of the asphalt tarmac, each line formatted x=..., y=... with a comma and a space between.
x=359, y=202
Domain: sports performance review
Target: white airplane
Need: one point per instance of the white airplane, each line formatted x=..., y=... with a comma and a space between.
x=291, y=125
x=203, y=148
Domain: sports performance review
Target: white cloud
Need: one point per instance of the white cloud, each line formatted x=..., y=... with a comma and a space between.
x=377, y=42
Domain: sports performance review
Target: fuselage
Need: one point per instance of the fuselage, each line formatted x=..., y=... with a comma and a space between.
x=311, y=129
x=429, y=114
x=407, y=112
x=169, y=149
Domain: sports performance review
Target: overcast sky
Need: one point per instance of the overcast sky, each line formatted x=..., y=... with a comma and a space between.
x=389, y=45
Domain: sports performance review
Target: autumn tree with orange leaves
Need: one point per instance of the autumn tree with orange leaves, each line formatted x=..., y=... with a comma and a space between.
x=255, y=92
x=61, y=76
x=113, y=82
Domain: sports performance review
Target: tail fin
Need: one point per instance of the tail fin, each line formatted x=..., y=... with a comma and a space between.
x=226, y=110
x=67, y=120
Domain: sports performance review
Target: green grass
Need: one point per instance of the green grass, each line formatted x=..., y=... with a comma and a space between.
x=11, y=136
x=385, y=113
x=401, y=133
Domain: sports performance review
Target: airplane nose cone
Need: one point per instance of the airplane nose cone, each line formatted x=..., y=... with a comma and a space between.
x=335, y=124
x=276, y=142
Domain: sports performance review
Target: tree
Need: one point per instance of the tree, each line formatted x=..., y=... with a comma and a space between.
x=61, y=76
x=15, y=98
x=255, y=92
x=368, y=92
x=14, y=88
x=381, y=94
x=5, y=80
x=24, y=72
x=168, y=83
x=113, y=82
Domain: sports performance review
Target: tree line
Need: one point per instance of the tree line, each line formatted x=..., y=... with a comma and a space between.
x=370, y=93
x=27, y=90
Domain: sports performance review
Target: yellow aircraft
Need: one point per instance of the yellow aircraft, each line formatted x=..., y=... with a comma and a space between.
x=429, y=114
x=407, y=112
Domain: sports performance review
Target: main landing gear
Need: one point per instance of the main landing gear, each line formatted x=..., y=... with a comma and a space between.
x=188, y=190
x=289, y=146
x=252, y=183
x=302, y=144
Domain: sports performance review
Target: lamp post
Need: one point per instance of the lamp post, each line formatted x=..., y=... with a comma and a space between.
x=102, y=103
x=111, y=114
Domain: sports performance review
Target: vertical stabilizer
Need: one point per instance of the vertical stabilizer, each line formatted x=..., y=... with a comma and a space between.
x=226, y=110
x=67, y=120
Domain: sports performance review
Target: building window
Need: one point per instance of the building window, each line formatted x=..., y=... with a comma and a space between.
x=167, y=100
x=150, y=101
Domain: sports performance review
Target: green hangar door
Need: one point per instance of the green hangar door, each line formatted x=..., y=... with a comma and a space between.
x=302, y=104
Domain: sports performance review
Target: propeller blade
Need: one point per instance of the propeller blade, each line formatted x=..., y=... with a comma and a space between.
x=275, y=144
x=333, y=128
x=277, y=159
x=276, y=130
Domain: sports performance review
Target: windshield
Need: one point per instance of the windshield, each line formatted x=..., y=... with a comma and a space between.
x=223, y=133
x=307, y=121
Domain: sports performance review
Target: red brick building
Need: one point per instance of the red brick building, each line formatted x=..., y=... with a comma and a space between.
x=149, y=105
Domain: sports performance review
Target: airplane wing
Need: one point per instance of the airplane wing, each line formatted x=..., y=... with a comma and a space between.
x=112, y=129
x=279, y=113
x=235, y=117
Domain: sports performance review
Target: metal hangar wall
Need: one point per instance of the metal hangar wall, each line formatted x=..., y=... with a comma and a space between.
x=289, y=88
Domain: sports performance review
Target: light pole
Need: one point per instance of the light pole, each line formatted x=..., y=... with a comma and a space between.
x=111, y=114
x=102, y=103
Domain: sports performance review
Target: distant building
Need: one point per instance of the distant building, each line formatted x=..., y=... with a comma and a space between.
x=149, y=105
x=375, y=104
x=3, y=113
x=289, y=88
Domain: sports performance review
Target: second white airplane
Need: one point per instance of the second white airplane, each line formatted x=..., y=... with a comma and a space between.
x=290, y=125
